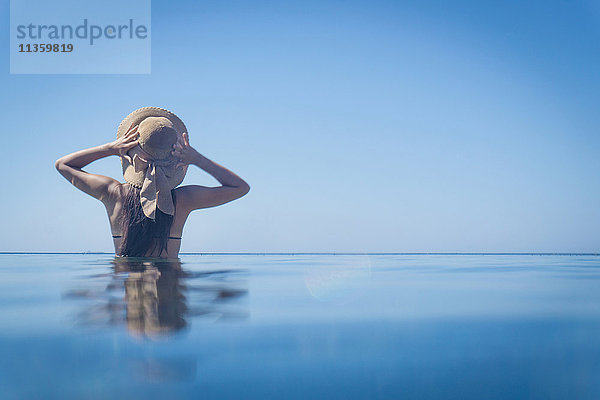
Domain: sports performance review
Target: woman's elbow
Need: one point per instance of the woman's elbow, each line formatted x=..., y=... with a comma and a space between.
x=61, y=166
x=244, y=189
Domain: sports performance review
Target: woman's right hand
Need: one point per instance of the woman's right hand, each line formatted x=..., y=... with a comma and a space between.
x=127, y=141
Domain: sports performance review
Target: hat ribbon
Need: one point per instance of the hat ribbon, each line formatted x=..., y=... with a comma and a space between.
x=156, y=191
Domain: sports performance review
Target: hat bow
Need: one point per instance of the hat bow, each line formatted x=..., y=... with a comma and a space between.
x=156, y=191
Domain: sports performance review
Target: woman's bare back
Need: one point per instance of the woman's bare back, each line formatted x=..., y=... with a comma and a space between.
x=114, y=210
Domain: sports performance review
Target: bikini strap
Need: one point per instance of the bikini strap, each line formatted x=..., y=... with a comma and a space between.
x=170, y=237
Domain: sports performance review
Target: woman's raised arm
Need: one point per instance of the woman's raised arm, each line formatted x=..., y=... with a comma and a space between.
x=97, y=186
x=193, y=197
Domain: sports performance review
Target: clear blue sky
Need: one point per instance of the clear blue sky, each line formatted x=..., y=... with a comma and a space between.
x=360, y=126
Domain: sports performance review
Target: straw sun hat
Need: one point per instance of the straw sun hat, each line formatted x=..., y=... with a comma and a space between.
x=150, y=166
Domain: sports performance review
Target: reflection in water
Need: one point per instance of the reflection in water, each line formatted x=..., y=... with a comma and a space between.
x=153, y=296
x=156, y=297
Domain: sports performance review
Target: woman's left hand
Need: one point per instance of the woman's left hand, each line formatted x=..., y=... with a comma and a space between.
x=184, y=152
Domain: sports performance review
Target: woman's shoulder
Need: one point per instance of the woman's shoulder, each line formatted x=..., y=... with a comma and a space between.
x=116, y=194
x=119, y=190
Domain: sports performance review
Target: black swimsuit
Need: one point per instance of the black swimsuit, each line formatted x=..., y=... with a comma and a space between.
x=170, y=237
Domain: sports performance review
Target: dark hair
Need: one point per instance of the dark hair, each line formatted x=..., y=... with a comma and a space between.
x=140, y=233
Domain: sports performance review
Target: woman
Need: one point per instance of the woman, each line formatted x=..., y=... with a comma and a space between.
x=148, y=212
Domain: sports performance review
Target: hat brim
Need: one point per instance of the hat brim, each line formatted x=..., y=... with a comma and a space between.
x=176, y=175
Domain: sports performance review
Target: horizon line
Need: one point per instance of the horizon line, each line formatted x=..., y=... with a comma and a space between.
x=341, y=253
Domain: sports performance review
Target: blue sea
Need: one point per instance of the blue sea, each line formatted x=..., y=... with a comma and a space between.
x=300, y=326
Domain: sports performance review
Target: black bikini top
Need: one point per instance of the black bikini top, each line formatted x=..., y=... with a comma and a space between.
x=170, y=237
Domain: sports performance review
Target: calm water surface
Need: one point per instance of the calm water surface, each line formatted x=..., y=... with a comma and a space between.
x=300, y=327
